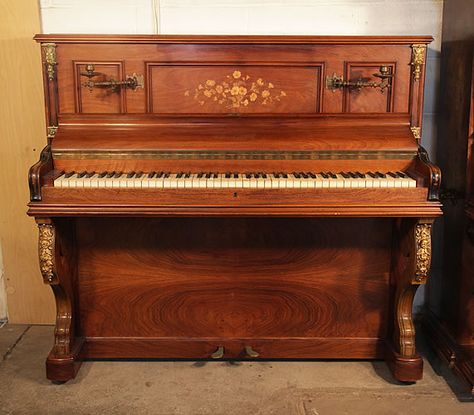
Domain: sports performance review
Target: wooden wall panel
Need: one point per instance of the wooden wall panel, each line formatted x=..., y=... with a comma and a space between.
x=22, y=136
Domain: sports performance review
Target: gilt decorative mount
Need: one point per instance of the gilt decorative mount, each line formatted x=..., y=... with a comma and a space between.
x=423, y=251
x=46, y=252
x=418, y=59
x=236, y=91
x=49, y=56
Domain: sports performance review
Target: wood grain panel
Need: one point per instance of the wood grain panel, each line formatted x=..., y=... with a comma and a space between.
x=202, y=348
x=328, y=56
x=22, y=132
x=230, y=278
x=236, y=89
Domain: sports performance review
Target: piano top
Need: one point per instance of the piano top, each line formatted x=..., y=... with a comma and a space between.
x=232, y=39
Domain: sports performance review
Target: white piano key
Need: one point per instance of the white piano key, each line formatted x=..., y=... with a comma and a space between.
x=58, y=182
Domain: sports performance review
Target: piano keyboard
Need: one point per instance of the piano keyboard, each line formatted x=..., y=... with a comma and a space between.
x=182, y=180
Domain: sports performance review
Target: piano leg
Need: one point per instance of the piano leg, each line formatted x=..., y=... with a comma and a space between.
x=410, y=269
x=57, y=265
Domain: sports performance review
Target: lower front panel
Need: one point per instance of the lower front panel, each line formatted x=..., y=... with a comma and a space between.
x=182, y=287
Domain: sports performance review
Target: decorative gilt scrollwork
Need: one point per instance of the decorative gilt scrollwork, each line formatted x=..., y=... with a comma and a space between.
x=49, y=50
x=46, y=252
x=418, y=59
x=236, y=91
x=52, y=130
x=416, y=131
x=423, y=251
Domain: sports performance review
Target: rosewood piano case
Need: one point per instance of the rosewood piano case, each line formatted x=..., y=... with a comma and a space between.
x=225, y=273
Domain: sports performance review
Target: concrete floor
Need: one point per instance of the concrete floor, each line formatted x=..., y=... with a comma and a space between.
x=217, y=388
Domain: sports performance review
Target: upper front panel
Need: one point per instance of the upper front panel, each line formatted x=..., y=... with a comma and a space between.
x=252, y=77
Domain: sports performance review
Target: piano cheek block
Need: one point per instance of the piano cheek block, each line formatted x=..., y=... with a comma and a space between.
x=215, y=211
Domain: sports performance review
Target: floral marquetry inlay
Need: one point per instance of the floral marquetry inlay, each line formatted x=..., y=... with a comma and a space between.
x=237, y=91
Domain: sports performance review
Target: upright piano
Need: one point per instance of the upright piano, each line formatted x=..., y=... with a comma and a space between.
x=234, y=197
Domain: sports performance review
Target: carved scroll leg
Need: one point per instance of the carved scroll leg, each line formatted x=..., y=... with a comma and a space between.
x=57, y=267
x=411, y=270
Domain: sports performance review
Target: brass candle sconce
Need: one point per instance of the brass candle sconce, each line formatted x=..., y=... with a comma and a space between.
x=132, y=82
x=335, y=82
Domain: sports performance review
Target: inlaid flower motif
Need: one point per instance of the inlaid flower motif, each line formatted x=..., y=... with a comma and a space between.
x=237, y=90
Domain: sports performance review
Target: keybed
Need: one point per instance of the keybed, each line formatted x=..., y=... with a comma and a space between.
x=234, y=180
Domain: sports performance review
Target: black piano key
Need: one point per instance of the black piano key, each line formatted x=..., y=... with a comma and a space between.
x=89, y=175
x=199, y=176
x=304, y=175
x=284, y=175
x=103, y=174
x=151, y=174
x=333, y=175
x=381, y=175
x=296, y=175
x=312, y=175
x=81, y=174
x=264, y=175
x=227, y=175
x=392, y=174
x=236, y=175
x=215, y=175
x=373, y=175
x=110, y=175
x=117, y=175
x=248, y=175
x=130, y=175
x=401, y=174
x=139, y=174
x=345, y=175
x=179, y=175
x=167, y=175
x=70, y=174
x=187, y=175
